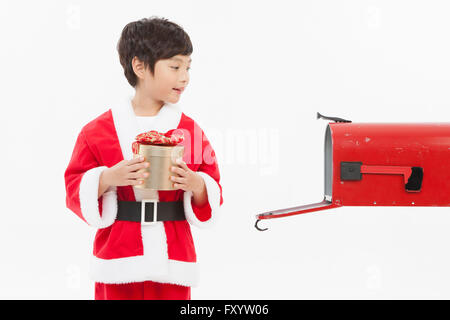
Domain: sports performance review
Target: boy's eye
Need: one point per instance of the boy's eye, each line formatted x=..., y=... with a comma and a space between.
x=179, y=67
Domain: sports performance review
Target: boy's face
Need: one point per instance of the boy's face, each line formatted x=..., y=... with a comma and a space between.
x=170, y=74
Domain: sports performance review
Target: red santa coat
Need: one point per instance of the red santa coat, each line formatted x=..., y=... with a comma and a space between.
x=126, y=251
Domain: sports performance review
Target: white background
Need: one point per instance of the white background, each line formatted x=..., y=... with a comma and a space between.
x=260, y=71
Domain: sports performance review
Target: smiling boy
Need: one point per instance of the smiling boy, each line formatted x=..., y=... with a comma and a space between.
x=144, y=256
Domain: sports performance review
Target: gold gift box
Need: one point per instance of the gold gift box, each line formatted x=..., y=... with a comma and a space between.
x=161, y=159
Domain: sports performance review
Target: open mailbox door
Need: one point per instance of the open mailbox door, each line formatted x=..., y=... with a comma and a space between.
x=381, y=164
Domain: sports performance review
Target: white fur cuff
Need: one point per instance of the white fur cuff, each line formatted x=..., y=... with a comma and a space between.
x=213, y=192
x=89, y=201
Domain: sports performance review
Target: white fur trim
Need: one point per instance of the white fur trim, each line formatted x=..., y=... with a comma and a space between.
x=89, y=202
x=213, y=192
x=128, y=127
x=138, y=269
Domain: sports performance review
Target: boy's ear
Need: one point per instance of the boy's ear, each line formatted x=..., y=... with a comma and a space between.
x=138, y=67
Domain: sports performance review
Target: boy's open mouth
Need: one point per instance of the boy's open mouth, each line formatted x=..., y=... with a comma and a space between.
x=178, y=90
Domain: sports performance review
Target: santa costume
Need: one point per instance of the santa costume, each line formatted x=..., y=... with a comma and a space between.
x=128, y=252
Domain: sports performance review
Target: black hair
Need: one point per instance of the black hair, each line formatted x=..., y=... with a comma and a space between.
x=151, y=39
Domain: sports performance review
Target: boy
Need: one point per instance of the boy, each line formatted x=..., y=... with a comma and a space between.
x=135, y=255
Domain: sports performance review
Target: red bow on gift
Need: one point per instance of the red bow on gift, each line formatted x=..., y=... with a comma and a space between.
x=157, y=138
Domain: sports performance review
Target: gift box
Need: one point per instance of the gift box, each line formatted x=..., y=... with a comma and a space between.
x=161, y=150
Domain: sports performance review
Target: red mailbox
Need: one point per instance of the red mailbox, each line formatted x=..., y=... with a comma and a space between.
x=381, y=164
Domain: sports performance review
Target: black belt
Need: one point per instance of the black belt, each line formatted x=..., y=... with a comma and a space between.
x=165, y=211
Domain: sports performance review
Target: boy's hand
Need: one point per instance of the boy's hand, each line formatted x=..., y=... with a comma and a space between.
x=124, y=173
x=188, y=180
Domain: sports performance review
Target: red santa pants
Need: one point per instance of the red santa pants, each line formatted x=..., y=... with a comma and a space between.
x=147, y=290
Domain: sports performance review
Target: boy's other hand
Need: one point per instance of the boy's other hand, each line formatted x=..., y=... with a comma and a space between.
x=187, y=179
x=125, y=173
